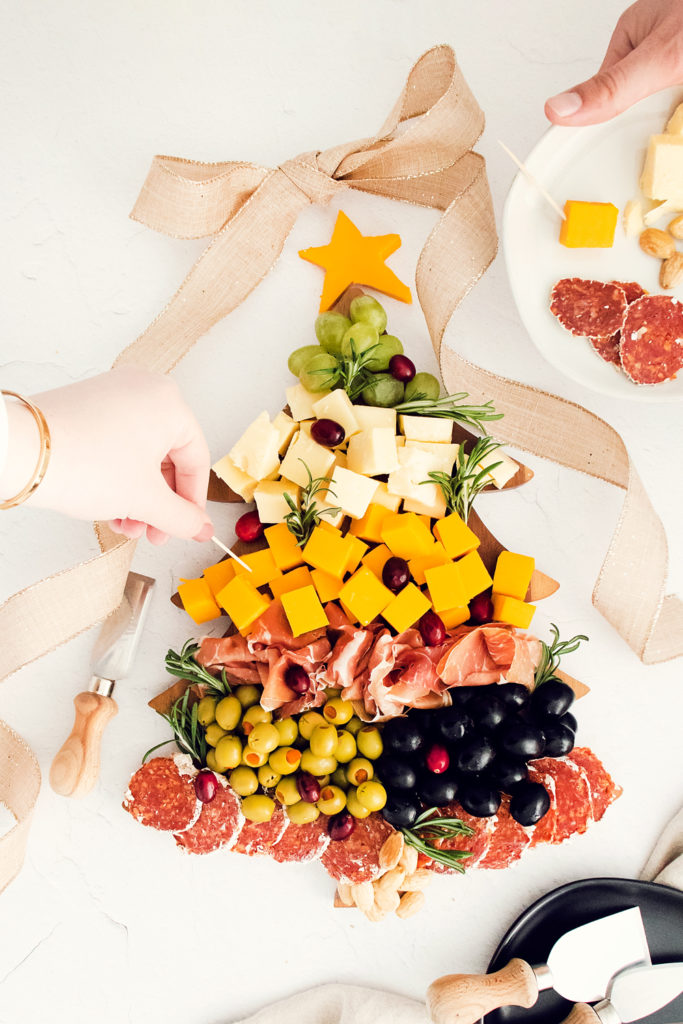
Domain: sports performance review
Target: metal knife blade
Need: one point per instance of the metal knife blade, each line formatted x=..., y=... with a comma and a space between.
x=639, y=991
x=119, y=636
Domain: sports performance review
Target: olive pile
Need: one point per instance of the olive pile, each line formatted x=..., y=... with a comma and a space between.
x=476, y=750
x=314, y=763
x=389, y=375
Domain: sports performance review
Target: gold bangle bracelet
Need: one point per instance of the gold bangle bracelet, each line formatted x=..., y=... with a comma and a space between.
x=43, y=457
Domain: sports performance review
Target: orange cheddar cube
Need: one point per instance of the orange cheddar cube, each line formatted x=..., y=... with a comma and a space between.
x=286, y=553
x=370, y=526
x=510, y=610
x=262, y=566
x=376, y=559
x=293, y=580
x=406, y=535
x=474, y=574
x=325, y=524
x=453, y=617
x=456, y=536
x=328, y=587
x=198, y=601
x=243, y=602
x=358, y=549
x=365, y=596
x=446, y=587
x=588, y=225
x=218, y=575
x=513, y=574
x=328, y=551
x=406, y=608
x=417, y=566
x=303, y=610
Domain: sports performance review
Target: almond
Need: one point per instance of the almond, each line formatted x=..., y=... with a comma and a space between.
x=675, y=228
x=410, y=904
x=657, y=243
x=671, y=273
x=363, y=896
x=345, y=895
x=387, y=900
x=417, y=881
x=391, y=882
x=408, y=859
x=391, y=851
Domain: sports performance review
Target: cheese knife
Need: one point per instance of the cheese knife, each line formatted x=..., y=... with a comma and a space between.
x=583, y=960
x=76, y=766
x=633, y=994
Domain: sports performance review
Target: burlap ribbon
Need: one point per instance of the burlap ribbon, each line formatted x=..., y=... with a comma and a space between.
x=422, y=155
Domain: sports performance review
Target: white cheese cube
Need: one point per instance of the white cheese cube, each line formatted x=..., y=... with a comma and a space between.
x=256, y=453
x=337, y=406
x=501, y=474
x=662, y=176
x=430, y=503
x=305, y=427
x=241, y=483
x=304, y=452
x=373, y=452
x=632, y=218
x=270, y=501
x=657, y=212
x=352, y=492
x=427, y=428
x=444, y=455
x=286, y=429
x=334, y=520
x=300, y=402
x=382, y=497
x=340, y=459
x=369, y=416
x=414, y=466
x=675, y=122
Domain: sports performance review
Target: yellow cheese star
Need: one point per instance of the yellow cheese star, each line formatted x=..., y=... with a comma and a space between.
x=353, y=258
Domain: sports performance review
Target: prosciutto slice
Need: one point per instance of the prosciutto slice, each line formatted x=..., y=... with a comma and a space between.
x=481, y=655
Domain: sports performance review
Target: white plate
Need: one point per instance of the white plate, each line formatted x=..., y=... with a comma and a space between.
x=599, y=163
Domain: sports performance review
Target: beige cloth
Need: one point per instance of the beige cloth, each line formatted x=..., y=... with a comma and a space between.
x=665, y=863
x=342, y=1004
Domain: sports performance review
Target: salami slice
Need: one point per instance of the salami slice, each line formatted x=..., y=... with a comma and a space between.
x=356, y=859
x=631, y=289
x=603, y=790
x=508, y=841
x=572, y=797
x=478, y=844
x=651, y=347
x=257, y=837
x=608, y=348
x=218, y=825
x=589, y=309
x=161, y=794
x=302, y=842
x=544, y=830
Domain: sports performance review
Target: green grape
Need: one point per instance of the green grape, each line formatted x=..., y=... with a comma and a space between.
x=388, y=346
x=358, y=338
x=300, y=356
x=383, y=390
x=319, y=373
x=366, y=310
x=423, y=385
x=330, y=328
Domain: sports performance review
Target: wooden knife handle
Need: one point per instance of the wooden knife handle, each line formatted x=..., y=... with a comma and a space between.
x=76, y=766
x=582, y=1013
x=465, y=998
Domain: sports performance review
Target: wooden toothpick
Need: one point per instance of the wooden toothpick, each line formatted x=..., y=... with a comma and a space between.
x=232, y=554
x=534, y=181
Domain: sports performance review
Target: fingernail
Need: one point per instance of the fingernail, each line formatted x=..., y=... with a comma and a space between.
x=206, y=532
x=565, y=104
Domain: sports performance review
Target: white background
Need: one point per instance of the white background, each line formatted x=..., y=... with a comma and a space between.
x=107, y=921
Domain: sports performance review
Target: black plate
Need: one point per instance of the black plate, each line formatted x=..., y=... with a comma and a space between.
x=533, y=935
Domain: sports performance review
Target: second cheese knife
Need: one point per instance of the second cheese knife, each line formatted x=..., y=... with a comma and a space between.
x=633, y=994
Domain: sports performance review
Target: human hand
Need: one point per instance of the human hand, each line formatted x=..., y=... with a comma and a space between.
x=645, y=54
x=125, y=448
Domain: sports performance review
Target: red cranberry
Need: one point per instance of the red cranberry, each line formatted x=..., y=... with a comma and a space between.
x=309, y=787
x=205, y=786
x=341, y=825
x=296, y=678
x=328, y=433
x=395, y=574
x=437, y=759
x=401, y=368
x=481, y=609
x=432, y=629
x=249, y=526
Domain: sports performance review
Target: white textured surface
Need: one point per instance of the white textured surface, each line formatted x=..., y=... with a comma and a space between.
x=107, y=921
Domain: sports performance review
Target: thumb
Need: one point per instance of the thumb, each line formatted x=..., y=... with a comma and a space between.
x=610, y=91
x=175, y=515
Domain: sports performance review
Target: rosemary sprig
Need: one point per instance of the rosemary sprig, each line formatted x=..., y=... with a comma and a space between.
x=187, y=732
x=552, y=653
x=428, y=827
x=351, y=372
x=306, y=515
x=468, y=477
x=451, y=407
x=186, y=666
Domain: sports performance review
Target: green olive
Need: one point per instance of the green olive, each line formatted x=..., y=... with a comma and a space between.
x=302, y=813
x=287, y=791
x=308, y=722
x=317, y=766
x=332, y=691
x=359, y=770
x=324, y=780
x=264, y=738
x=206, y=710
x=300, y=356
x=324, y=740
x=288, y=731
x=389, y=346
x=357, y=339
x=211, y=761
x=330, y=328
x=267, y=777
x=319, y=373
x=228, y=752
x=354, y=806
x=254, y=758
x=244, y=781
x=372, y=795
x=228, y=713
x=214, y=733
x=346, y=747
x=332, y=800
x=354, y=725
x=423, y=385
x=369, y=741
x=383, y=390
x=285, y=760
x=338, y=711
x=366, y=310
x=254, y=716
x=248, y=694
x=258, y=807
x=339, y=778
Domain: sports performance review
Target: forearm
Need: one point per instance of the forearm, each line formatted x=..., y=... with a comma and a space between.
x=23, y=449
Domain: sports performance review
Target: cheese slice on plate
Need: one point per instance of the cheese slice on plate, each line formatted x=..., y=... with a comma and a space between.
x=662, y=176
